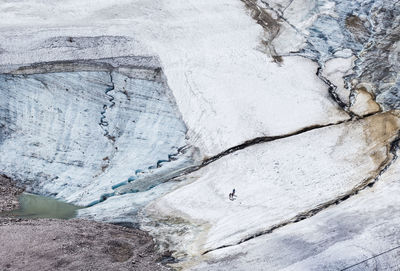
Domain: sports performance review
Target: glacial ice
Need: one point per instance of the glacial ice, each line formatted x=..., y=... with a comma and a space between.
x=204, y=81
x=76, y=134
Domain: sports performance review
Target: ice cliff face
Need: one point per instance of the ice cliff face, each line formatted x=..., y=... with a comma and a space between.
x=151, y=112
x=78, y=134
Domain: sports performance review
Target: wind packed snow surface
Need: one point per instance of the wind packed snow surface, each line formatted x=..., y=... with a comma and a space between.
x=359, y=234
x=151, y=112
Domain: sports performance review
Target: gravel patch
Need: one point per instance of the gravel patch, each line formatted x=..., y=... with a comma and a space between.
x=53, y=244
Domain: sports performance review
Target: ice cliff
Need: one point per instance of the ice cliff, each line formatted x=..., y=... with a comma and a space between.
x=151, y=112
x=77, y=131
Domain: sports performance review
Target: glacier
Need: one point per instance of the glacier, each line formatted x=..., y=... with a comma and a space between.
x=149, y=113
x=77, y=135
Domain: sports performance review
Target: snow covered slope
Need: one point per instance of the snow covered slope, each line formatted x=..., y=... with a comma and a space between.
x=280, y=181
x=358, y=234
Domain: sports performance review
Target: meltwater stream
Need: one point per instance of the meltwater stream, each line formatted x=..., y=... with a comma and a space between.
x=35, y=206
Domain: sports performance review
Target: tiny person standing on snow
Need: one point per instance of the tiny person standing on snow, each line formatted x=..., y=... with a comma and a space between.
x=232, y=195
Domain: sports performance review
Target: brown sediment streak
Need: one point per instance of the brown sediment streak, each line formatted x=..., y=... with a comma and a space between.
x=270, y=25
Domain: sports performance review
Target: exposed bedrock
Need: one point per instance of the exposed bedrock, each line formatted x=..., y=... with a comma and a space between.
x=76, y=130
x=8, y=194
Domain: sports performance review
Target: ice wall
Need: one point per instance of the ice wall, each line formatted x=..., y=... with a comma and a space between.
x=76, y=135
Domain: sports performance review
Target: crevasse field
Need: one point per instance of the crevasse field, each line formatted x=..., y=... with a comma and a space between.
x=149, y=113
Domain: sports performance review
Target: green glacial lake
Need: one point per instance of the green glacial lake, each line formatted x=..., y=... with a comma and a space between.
x=35, y=206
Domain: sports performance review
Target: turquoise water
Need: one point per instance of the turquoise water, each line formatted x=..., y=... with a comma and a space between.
x=35, y=206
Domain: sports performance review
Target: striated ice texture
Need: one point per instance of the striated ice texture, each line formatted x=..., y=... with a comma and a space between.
x=368, y=29
x=346, y=26
x=76, y=135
